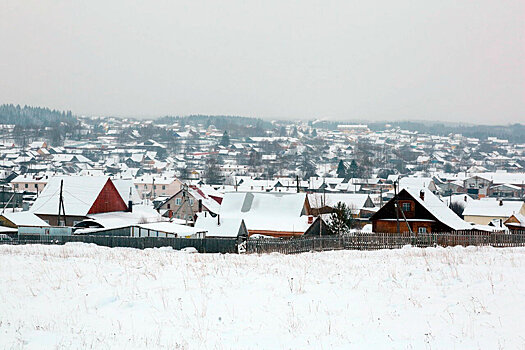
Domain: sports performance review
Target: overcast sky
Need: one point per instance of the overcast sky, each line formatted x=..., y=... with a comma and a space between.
x=446, y=60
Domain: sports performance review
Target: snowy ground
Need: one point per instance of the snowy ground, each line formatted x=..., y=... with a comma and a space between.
x=84, y=296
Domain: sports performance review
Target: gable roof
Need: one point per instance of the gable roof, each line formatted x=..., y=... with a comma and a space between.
x=268, y=211
x=492, y=207
x=24, y=218
x=123, y=186
x=79, y=193
x=220, y=226
x=438, y=209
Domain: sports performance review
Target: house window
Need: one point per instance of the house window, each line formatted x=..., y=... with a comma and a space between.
x=422, y=229
x=191, y=201
x=178, y=201
x=472, y=185
x=407, y=207
x=26, y=185
x=169, y=206
x=480, y=185
x=163, y=187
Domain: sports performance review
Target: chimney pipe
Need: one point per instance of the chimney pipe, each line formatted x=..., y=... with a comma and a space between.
x=422, y=195
x=500, y=202
x=218, y=220
x=130, y=200
x=200, y=205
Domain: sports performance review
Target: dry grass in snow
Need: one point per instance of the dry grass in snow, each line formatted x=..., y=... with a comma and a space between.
x=84, y=296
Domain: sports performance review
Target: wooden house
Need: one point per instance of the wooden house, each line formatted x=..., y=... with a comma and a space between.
x=419, y=211
x=516, y=222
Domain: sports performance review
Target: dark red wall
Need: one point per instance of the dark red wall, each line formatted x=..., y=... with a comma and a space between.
x=108, y=200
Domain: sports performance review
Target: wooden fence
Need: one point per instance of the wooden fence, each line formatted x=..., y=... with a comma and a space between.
x=203, y=245
x=374, y=241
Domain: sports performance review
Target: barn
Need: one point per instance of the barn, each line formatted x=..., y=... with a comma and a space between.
x=81, y=195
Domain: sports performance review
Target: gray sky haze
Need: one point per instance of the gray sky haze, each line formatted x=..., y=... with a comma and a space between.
x=369, y=60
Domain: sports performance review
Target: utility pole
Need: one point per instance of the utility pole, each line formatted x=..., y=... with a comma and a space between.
x=61, y=204
x=396, y=204
x=153, y=189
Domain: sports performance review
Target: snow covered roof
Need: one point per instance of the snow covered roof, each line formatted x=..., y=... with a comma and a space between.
x=355, y=201
x=503, y=178
x=208, y=202
x=123, y=187
x=219, y=226
x=492, y=207
x=139, y=214
x=521, y=221
x=438, y=209
x=415, y=182
x=279, y=212
x=170, y=227
x=24, y=218
x=79, y=194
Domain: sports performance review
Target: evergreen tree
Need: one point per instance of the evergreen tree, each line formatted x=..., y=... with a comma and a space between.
x=354, y=170
x=225, y=141
x=341, y=219
x=314, y=133
x=341, y=169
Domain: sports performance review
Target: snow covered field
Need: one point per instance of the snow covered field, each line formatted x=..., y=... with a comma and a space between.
x=84, y=296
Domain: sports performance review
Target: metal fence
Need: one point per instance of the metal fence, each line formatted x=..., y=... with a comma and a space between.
x=355, y=241
x=203, y=245
x=374, y=241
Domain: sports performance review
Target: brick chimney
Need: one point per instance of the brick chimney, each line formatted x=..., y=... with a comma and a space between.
x=422, y=195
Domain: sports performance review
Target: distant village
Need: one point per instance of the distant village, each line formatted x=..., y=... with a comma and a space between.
x=175, y=177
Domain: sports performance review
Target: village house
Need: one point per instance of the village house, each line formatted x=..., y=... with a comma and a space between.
x=81, y=196
x=419, y=211
x=516, y=222
x=187, y=202
x=487, y=210
x=29, y=183
x=273, y=214
x=150, y=186
x=477, y=186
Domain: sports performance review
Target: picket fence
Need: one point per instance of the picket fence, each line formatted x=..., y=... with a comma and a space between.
x=374, y=241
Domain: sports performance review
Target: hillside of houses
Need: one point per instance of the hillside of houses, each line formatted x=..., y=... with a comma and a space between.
x=240, y=177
